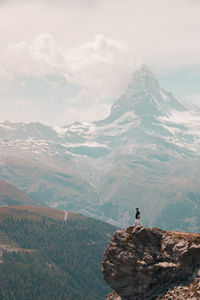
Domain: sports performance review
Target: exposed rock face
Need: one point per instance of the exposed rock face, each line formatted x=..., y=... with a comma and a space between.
x=142, y=263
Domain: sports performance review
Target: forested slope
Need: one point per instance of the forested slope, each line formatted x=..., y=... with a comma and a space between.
x=49, y=258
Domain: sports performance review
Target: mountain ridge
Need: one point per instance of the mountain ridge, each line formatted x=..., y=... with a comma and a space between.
x=10, y=195
x=145, y=154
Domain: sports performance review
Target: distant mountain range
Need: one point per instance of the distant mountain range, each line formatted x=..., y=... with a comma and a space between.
x=145, y=153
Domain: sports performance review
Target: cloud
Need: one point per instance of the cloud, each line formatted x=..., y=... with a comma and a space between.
x=18, y=110
x=34, y=57
x=164, y=33
x=20, y=104
x=81, y=42
x=79, y=111
x=102, y=68
x=6, y=80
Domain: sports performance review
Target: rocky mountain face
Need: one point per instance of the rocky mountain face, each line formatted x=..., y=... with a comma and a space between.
x=144, y=154
x=142, y=263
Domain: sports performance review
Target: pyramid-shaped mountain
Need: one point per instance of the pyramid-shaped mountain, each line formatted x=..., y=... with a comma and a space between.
x=145, y=98
x=148, y=115
x=144, y=154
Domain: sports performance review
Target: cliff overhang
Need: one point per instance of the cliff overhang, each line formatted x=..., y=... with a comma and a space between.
x=142, y=263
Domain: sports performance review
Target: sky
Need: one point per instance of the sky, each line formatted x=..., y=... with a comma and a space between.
x=67, y=60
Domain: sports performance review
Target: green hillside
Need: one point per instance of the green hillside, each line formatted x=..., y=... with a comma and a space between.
x=10, y=195
x=44, y=257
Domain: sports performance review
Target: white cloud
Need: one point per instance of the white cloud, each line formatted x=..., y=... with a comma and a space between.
x=5, y=75
x=164, y=32
x=19, y=110
x=22, y=104
x=22, y=83
x=34, y=57
x=41, y=37
x=102, y=67
x=6, y=80
x=83, y=113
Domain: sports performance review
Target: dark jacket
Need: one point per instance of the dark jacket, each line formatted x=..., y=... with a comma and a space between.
x=137, y=215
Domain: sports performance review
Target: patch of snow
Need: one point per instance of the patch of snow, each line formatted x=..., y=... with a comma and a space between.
x=185, y=117
x=7, y=127
x=126, y=122
x=164, y=96
x=60, y=130
x=87, y=144
x=173, y=130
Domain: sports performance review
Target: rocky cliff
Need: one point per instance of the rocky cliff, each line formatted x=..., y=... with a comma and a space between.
x=142, y=263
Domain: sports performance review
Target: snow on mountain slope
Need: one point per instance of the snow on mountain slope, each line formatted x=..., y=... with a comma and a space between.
x=144, y=114
x=22, y=131
x=145, y=153
x=145, y=98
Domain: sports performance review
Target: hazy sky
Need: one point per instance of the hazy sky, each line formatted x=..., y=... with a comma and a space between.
x=66, y=60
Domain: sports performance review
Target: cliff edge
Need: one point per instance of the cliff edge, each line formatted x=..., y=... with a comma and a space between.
x=142, y=263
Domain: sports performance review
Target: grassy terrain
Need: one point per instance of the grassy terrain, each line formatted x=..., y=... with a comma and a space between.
x=10, y=195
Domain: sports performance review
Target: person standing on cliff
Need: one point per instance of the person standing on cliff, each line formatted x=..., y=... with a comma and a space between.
x=137, y=217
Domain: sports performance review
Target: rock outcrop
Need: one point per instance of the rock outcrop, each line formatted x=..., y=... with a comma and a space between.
x=142, y=263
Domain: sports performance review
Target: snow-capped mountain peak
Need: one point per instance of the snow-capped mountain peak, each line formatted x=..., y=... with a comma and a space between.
x=141, y=155
x=143, y=78
x=145, y=98
x=144, y=113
